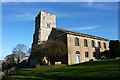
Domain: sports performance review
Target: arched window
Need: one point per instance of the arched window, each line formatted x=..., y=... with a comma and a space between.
x=48, y=25
x=76, y=42
x=104, y=45
x=77, y=52
x=93, y=54
x=99, y=44
x=85, y=43
x=93, y=43
x=86, y=54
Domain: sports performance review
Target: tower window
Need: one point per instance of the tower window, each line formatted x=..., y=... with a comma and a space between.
x=85, y=43
x=93, y=43
x=48, y=25
x=76, y=42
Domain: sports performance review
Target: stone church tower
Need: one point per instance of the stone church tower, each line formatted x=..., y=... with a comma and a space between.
x=43, y=26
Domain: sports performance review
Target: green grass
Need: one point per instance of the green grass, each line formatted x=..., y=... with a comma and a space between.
x=97, y=70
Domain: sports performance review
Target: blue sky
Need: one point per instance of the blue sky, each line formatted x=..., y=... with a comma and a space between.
x=95, y=18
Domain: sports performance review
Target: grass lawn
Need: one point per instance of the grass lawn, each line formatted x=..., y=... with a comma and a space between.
x=97, y=70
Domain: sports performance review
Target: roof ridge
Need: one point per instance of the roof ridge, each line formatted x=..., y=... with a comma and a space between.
x=78, y=33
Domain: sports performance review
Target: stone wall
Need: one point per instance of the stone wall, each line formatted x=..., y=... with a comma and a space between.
x=43, y=26
x=6, y=72
x=72, y=48
x=47, y=18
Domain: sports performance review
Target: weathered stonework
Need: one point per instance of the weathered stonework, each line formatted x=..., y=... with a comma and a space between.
x=72, y=48
x=43, y=26
x=45, y=29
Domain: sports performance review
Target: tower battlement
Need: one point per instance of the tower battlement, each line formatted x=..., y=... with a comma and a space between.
x=43, y=25
x=42, y=12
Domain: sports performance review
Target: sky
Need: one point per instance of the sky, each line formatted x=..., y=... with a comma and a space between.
x=94, y=18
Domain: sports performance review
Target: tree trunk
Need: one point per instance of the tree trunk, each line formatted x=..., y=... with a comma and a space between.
x=18, y=60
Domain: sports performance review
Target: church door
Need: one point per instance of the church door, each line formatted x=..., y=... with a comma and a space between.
x=77, y=58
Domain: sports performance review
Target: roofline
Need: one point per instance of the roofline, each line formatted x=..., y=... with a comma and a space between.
x=80, y=34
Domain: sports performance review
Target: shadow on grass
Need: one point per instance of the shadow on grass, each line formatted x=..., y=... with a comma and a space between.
x=99, y=62
x=20, y=79
x=57, y=77
x=103, y=70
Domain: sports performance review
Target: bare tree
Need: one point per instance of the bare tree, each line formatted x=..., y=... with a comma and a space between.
x=19, y=50
x=29, y=51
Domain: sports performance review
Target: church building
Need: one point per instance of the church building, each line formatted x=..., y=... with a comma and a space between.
x=81, y=47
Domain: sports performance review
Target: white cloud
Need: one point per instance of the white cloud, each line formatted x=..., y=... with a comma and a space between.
x=85, y=28
x=19, y=17
x=102, y=6
x=90, y=2
x=29, y=14
x=75, y=14
x=26, y=16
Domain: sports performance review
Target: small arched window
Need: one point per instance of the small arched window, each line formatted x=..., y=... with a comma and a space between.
x=48, y=25
x=77, y=52
x=99, y=44
x=85, y=43
x=104, y=45
x=76, y=42
x=93, y=43
x=86, y=54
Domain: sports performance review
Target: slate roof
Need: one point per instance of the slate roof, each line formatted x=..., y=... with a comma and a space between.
x=80, y=34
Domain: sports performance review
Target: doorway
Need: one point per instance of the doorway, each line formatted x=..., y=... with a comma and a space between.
x=77, y=57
